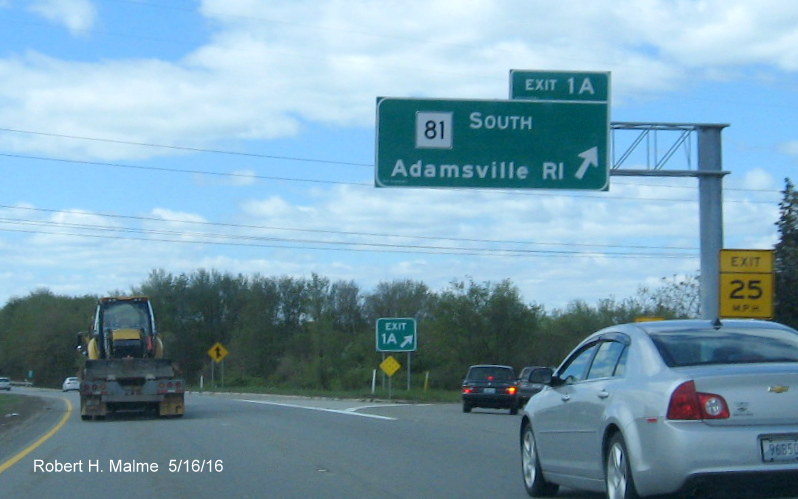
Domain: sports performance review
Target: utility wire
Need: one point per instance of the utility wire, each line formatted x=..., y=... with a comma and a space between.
x=336, y=232
x=338, y=182
x=292, y=158
x=186, y=148
x=178, y=170
x=362, y=247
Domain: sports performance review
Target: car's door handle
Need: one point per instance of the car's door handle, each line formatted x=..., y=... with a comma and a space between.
x=603, y=394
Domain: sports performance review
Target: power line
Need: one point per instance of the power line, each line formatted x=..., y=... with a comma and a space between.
x=177, y=170
x=186, y=148
x=340, y=182
x=334, y=245
x=337, y=232
x=299, y=159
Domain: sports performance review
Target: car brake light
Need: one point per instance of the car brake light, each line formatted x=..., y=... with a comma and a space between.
x=688, y=404
x=468, y=389
x=511, y=390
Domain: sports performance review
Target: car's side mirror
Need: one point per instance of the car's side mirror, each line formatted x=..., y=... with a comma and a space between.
x=80, y=343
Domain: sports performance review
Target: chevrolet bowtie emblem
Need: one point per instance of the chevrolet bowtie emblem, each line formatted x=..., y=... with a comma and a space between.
x=778, y=388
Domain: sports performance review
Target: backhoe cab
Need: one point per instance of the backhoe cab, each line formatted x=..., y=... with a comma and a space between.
x=124, y=327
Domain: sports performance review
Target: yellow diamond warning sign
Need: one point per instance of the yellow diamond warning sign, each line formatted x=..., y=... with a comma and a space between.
x=218, y=352
x=390, y=365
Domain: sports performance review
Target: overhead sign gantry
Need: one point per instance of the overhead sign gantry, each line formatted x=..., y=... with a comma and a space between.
x=492, y=144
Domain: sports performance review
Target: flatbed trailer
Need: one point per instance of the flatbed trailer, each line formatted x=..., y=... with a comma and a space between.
x=130, y=384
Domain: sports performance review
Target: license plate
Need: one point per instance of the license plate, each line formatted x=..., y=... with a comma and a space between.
x=489, y=390
x=779, y=449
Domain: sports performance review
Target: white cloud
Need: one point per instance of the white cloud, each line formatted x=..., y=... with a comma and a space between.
x=177, y=217
x=274, y=208
x=76, y=15
x=718, y=32
x=272, y=64
x=759, y=178
x=790, y=148
x=269, y=70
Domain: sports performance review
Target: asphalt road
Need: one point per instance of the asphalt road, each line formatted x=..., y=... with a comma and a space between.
x=245, y=446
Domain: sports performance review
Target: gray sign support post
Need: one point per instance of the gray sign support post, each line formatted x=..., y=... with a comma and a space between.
x=710, y=192
x=710, y=206
x=554, y=86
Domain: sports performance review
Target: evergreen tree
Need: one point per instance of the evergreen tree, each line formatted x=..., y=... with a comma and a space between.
x=786, y=299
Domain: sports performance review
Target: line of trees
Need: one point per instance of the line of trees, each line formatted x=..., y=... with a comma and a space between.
x=315, y=333
x=786, y=253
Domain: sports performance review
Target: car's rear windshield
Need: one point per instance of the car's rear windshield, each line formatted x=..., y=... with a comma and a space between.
x=490, y=373
x=726, y=346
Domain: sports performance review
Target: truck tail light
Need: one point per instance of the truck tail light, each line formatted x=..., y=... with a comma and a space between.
x=170, y=387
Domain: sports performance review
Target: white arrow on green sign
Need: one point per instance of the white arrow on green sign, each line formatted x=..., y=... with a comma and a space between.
x=396, y=334
x=511, y=144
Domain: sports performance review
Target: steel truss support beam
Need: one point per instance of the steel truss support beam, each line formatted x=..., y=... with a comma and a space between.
x=710, y=187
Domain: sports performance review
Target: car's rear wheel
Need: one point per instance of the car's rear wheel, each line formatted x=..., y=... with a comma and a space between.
x=536, y=485
x=466, y=407
x=618, y=472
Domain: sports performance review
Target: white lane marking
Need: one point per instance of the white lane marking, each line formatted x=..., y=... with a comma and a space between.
x=378, y=406
x=350, y=411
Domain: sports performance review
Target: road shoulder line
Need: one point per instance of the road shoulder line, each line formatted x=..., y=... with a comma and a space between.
x=27, y=450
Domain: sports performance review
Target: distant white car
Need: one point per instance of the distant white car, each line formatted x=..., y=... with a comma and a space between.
x=5, y=384
x=71, y=383
x=693, y=407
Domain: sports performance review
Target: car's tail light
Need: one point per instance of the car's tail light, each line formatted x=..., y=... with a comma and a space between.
x=468, y=389
x=512, y=390
x=687, y=403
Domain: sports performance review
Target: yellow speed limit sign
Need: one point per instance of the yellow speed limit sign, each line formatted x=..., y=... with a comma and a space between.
x=747, y=283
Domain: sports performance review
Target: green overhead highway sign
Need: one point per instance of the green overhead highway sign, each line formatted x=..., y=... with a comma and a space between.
x=512, y=144
x=574, y=86
x=396, y=334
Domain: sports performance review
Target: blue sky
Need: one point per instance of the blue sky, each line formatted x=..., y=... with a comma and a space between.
x=239, y=135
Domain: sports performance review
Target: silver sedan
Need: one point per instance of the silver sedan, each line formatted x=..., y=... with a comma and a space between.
x=71, y=383
x=694, y=407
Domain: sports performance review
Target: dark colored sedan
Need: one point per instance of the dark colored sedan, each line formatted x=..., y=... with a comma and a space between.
x=526, y=387
x=490, y=386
